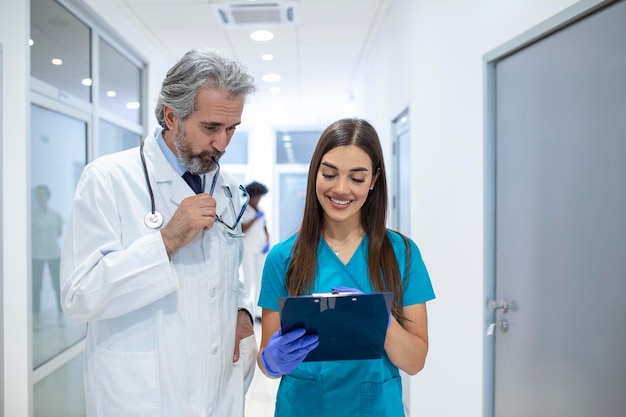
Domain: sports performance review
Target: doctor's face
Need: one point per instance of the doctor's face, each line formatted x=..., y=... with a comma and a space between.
x=206, y=133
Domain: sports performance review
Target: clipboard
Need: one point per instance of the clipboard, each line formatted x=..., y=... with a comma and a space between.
x=349, y=326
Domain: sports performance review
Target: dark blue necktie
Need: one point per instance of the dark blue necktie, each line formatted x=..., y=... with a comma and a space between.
x=194, y=181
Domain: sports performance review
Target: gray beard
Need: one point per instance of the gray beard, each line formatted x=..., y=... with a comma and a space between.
x=196, y=164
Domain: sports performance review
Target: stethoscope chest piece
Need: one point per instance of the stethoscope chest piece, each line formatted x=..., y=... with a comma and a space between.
x=153, y=220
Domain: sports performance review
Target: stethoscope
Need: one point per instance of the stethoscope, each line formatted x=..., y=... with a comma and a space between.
x=154, y=220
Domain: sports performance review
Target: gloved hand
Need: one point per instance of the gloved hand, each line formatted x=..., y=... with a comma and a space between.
x=348, y=289
x=284, y=352
x=259, y=214
x=339, y=290
x=266, y=248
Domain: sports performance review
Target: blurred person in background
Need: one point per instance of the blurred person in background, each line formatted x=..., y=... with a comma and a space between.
x=256, y=242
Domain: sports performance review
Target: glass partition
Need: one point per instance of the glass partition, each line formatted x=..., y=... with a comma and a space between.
x=120, y=84
x=60, y=50
x=291, y=205
x=296, y=147
x=114, y=138
x=57, y=153
x=70, y=125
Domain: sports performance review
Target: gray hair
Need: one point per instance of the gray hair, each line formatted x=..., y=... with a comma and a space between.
x=198, y=69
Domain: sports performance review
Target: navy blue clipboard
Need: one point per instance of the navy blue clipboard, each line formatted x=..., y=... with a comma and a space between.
x=349, y=326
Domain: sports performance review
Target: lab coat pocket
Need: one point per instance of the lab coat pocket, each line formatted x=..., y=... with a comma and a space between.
x=247, y=360
x=126, y=383
x=233, y=395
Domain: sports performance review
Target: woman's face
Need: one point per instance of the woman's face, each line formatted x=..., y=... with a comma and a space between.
x=344, y=179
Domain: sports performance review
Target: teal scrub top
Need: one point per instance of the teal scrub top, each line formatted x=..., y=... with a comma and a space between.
x=342, y=388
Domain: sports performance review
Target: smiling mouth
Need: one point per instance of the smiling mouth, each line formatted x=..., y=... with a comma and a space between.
x=340, y=202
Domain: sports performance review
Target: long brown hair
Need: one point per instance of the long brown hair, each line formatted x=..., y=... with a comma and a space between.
x=381, y=260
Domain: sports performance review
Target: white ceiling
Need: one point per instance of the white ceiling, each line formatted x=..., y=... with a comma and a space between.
x=318, y=55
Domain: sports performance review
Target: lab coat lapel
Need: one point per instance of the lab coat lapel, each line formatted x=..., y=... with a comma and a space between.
x=162, y=172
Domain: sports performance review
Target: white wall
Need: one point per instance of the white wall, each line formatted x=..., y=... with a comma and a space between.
x=14, y=30
x=430, y=53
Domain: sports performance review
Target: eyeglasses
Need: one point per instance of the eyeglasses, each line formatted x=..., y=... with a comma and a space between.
x=244, y=194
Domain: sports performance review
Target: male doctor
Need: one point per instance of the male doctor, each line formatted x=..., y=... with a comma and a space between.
x=152, y=267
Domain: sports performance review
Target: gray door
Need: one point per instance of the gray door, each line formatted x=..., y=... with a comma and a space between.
x=559, y=235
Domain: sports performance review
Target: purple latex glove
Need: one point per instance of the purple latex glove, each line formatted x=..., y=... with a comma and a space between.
x=266, y=248
x=259, y=214
x=284, y=352
x=339, y=290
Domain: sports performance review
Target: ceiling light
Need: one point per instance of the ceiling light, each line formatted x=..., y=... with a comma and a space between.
x=133, y=105
x=86, y=82
x=31, y=42
x=57, y=61
x=286, y=138
x=261, y=35
x=111, y=93
x=267, y=57
x=271, y=78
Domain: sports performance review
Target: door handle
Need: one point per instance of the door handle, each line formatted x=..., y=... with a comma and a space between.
x=495, y=305
x=502, y=325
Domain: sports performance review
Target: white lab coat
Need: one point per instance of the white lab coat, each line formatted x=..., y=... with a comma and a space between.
x=253, y=256
x=161, y=332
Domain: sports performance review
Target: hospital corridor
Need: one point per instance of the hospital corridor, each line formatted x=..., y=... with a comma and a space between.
x=499, y=127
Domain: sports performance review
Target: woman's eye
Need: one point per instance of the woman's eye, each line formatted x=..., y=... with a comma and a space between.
x=328, y=176
x=358, y=180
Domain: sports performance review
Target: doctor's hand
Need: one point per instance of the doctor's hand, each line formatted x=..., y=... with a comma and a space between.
x=244, y=329
x=284, y=352
x=194, y=214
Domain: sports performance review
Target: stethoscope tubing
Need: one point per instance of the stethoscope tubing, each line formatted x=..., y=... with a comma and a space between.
x=153, y=219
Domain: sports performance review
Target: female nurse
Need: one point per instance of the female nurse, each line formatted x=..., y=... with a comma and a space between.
x=343, y=242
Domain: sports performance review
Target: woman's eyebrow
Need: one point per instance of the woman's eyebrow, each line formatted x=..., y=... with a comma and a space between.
x=357, y=169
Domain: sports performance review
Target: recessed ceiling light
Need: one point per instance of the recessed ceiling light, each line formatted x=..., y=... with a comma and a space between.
x=57, y=61
x=267, y=57
x=111, y=93
x=262, y=35
x=31, y=42
x=271, y=78
x=86, y=82
x=133, y=105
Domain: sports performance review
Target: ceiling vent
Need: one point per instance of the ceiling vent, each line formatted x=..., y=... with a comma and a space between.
x=235, y=15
